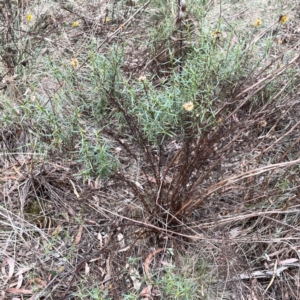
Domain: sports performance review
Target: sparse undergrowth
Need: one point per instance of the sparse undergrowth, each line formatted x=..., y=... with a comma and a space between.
x=149, y=149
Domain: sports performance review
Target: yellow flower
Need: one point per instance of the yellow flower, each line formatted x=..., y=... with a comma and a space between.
x=283, y=19
x=189, y=106
x=75, y=24
x=29, y=17
x=74, y=63
x=106, y=19
x=60, y=269
x=257, y=22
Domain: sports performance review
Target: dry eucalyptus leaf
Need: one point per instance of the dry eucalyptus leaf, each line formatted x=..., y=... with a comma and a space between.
x=23, y=270
x=78, y=236
x=288, y=261
x=149, y=259
x=134, y=275
x=20, y=280
x=87, y=269
x=11, y=267
x=19, y=291
x=11, y=264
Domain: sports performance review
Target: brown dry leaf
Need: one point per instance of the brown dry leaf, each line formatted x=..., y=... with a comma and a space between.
x=19, y=291
x=156, y=292
x=78, y=236
x=57, y=230
x=29, y=282
x=40, y=281
x=148, y=260
x=146, y=292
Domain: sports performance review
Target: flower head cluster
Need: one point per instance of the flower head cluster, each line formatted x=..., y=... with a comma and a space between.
x=29, y=17
x=75, y=24
x=216, y=34
x=188, y=106
x=142, y=78
x=257, y=22
x=74, y=63
x=283, y=19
